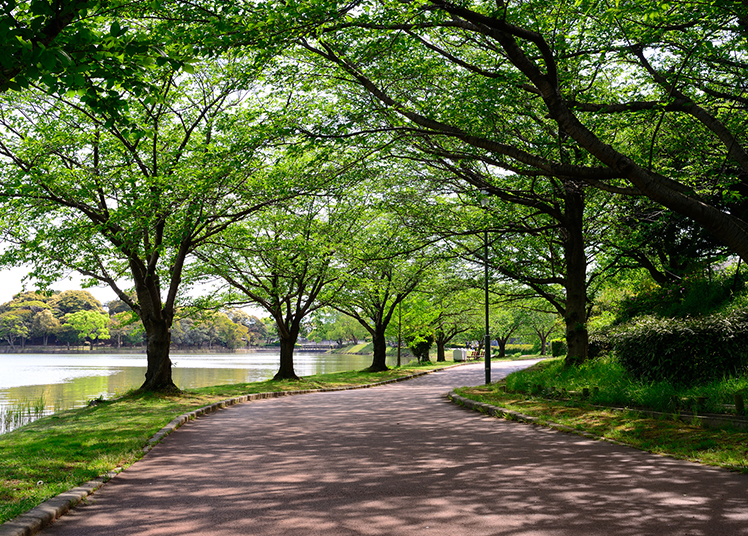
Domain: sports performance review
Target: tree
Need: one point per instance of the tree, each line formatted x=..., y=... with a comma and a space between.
x=90, y=325
x=21, y=313
x=583, y=72
x=378, y=273
x=32, y=31
x=44, y=324
x=665, y=244
x=416, y=319
x=73, y=301
x=505, y=322
x=256, y=330
x=281, y=260
x=540, y=322
x=68, y=334
x=440, y=310
x=229, y=333
x=333, y=325
x=101, y=50
x=12, y=326
x=130, y=197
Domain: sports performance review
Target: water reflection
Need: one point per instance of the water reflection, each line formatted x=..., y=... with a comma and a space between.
x=67, y=381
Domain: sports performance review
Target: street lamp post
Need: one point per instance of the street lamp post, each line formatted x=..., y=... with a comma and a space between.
x=487, y=340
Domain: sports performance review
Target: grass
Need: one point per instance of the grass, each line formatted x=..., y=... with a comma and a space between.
x=552, y=393
x=61, y=451
x=21, y=413
x=609, y=384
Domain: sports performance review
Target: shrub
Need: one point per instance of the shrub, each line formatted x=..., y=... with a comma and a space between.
x=420, y=346
x=602, y=341
x=685, y=351
x=518, y=349
x=690, y=296
x=558, y=347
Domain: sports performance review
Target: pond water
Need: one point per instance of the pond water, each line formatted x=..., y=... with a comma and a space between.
x=32, y=385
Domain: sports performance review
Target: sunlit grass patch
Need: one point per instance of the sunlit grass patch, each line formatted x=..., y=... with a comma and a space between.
x=721, y=447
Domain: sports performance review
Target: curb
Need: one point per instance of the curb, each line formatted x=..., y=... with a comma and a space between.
x=503, y=413
x=41, y=516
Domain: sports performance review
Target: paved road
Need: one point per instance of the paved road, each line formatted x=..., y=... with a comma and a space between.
x=401, y=460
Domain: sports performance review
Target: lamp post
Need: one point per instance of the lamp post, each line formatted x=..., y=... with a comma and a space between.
x=487, y=340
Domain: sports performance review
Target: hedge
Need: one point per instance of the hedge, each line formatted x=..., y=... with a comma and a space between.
x=684, y=351
x=558, y=347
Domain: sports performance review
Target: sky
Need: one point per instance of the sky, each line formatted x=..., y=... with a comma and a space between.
x=11, y=284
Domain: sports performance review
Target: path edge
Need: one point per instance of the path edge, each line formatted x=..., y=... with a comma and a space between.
x=511, y=415
x=41, y=516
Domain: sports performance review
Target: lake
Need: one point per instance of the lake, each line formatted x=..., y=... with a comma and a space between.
x=67, y=381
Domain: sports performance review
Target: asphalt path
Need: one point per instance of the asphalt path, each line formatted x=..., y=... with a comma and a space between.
x=402, y=460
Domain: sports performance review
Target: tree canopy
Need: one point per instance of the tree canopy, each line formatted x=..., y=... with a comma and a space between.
x=153, y=145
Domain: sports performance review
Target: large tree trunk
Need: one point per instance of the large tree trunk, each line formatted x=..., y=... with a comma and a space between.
x=379, y=361
x=575, y=317
x=157, y=321
x=441, y=354
x=288, y=342
x=158, y=340
x=501, y=341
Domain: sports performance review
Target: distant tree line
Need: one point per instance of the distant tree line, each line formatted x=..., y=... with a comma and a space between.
x=74, y=318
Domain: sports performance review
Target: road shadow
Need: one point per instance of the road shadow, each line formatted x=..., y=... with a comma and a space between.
x=402, y=460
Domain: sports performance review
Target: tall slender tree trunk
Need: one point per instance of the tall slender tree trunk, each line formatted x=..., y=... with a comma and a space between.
x=379, y=361
x=287, y=344
x=543, y=344
x=577, y=337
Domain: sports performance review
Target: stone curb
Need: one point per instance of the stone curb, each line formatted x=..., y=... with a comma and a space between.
x=39, y=517
x=503, y=413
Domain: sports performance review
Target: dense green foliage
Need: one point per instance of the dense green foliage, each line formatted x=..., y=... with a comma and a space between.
x=610, y=384
x=693, y=294
x=605, y=138
x=685, y=351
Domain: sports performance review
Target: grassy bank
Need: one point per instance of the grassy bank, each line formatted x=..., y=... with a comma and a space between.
x=554, y=394
x=59, y=452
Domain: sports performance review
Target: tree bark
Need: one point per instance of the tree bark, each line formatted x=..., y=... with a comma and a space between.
x=543, y=341
x=158, y=340
x=379, y=361
x=575, y=317
x=287, y=344
x=441, y=354
x=501, y=341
